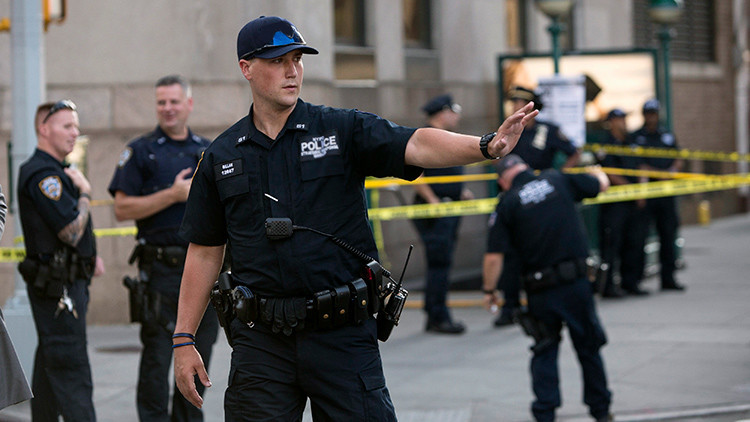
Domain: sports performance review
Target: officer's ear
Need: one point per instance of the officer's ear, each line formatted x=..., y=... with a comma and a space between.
x=245, y=68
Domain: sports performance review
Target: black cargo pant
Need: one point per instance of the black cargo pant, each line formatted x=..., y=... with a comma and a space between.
x=156, y=357
x=573, y=305
x=339, y=370
x=663, y=212
x=439, y=240
x=622, y=235
x=61, y=382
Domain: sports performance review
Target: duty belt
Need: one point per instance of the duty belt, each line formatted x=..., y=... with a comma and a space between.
x=562, y=273
x=341, y=306
x=174, y=256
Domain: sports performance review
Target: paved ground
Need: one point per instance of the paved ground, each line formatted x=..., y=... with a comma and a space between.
x=671, y=356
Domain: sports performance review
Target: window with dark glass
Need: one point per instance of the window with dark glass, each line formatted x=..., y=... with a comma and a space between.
x=417, y=32
x=515, y=25
x=354, y=59
x=693, y=35
x=349, y=22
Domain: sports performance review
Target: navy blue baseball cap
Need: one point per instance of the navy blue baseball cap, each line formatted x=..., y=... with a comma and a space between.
x=507, y=162
x=440, y=103
x=268, y=37
x=616, y=112
x=526, y=94
x=651, y=105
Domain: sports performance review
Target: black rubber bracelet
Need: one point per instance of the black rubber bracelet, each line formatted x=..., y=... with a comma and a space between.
x=489, y=292
x=190, y=343
x=188, y=335
x=84, y=195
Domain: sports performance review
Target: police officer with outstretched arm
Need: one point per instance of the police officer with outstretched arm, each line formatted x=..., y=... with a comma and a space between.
x=537, y=217
x=150, y=186
x=284, y=189
x=54, y=202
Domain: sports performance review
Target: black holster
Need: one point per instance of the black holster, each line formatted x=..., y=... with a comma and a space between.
x=223, y=304
x=47, y=278
x=146, y=303
x=138, y=299
x=542, y=335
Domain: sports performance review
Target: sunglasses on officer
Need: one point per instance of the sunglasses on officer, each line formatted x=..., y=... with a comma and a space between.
x=280, y=39
x=60, y=105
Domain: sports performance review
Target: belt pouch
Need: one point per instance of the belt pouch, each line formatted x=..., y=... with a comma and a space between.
x=28, y=269
x=174, y=256
x=359, y=292
x=568, y=271
x=323, y=309
x=341, y=302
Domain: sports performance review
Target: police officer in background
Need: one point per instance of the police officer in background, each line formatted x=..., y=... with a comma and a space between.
x=150, y=186
x=537, y=217
x=662, y=211
x=539, y=145
x=620, y=223
x=54, y=203
x=284, y=189
x=439, y=234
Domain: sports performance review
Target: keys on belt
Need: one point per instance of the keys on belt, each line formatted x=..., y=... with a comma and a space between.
x=66, y=304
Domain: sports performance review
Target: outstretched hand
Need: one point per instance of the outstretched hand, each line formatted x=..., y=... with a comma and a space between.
x=187, y=364
x=510, y=131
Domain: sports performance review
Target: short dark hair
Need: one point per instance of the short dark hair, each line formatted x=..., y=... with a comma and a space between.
x=175, y=80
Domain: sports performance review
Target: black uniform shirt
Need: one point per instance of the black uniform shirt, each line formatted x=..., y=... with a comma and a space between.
x=658, y=139
x=150, y=164
x=313, y=173
x=619, y=161
x=538, y=145
x=47, y=202
x=446, y=190
x=537, y=217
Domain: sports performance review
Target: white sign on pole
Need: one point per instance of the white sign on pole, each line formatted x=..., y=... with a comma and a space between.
x=564, y=99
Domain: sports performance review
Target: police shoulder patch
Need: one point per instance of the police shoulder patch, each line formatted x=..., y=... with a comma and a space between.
x=51, y=187
x=125, y=156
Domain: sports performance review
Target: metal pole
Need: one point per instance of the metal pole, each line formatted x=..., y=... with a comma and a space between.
x=27, y=92
x=665, y=37
x=555, y=30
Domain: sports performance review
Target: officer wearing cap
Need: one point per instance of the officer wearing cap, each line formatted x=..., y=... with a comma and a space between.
x=54, y=202
x=298, y=170
x=537, y=217
x=620, y=222
x=539, y=144
x=150, y=185
x=439, y=234
x=662, y=211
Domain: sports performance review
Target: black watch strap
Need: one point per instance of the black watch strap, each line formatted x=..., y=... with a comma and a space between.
x=484, y=142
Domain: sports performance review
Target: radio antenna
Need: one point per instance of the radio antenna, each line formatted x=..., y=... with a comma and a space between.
x=401, y=279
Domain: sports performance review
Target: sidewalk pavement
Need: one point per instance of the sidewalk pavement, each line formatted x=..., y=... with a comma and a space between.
x=671, y=356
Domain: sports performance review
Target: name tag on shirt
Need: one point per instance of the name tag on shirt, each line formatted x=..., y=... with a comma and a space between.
x=227, y=169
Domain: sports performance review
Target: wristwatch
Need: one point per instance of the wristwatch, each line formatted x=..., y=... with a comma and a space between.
x=483, y=142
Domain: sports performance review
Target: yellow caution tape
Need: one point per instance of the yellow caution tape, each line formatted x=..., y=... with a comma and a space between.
x=683, y=184
x=685, y=154
x=12, y=254
x=386, y=182
x=614, y=194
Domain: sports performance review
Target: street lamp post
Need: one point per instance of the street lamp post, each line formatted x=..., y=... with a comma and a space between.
x=554, y=9
x=665, y=13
